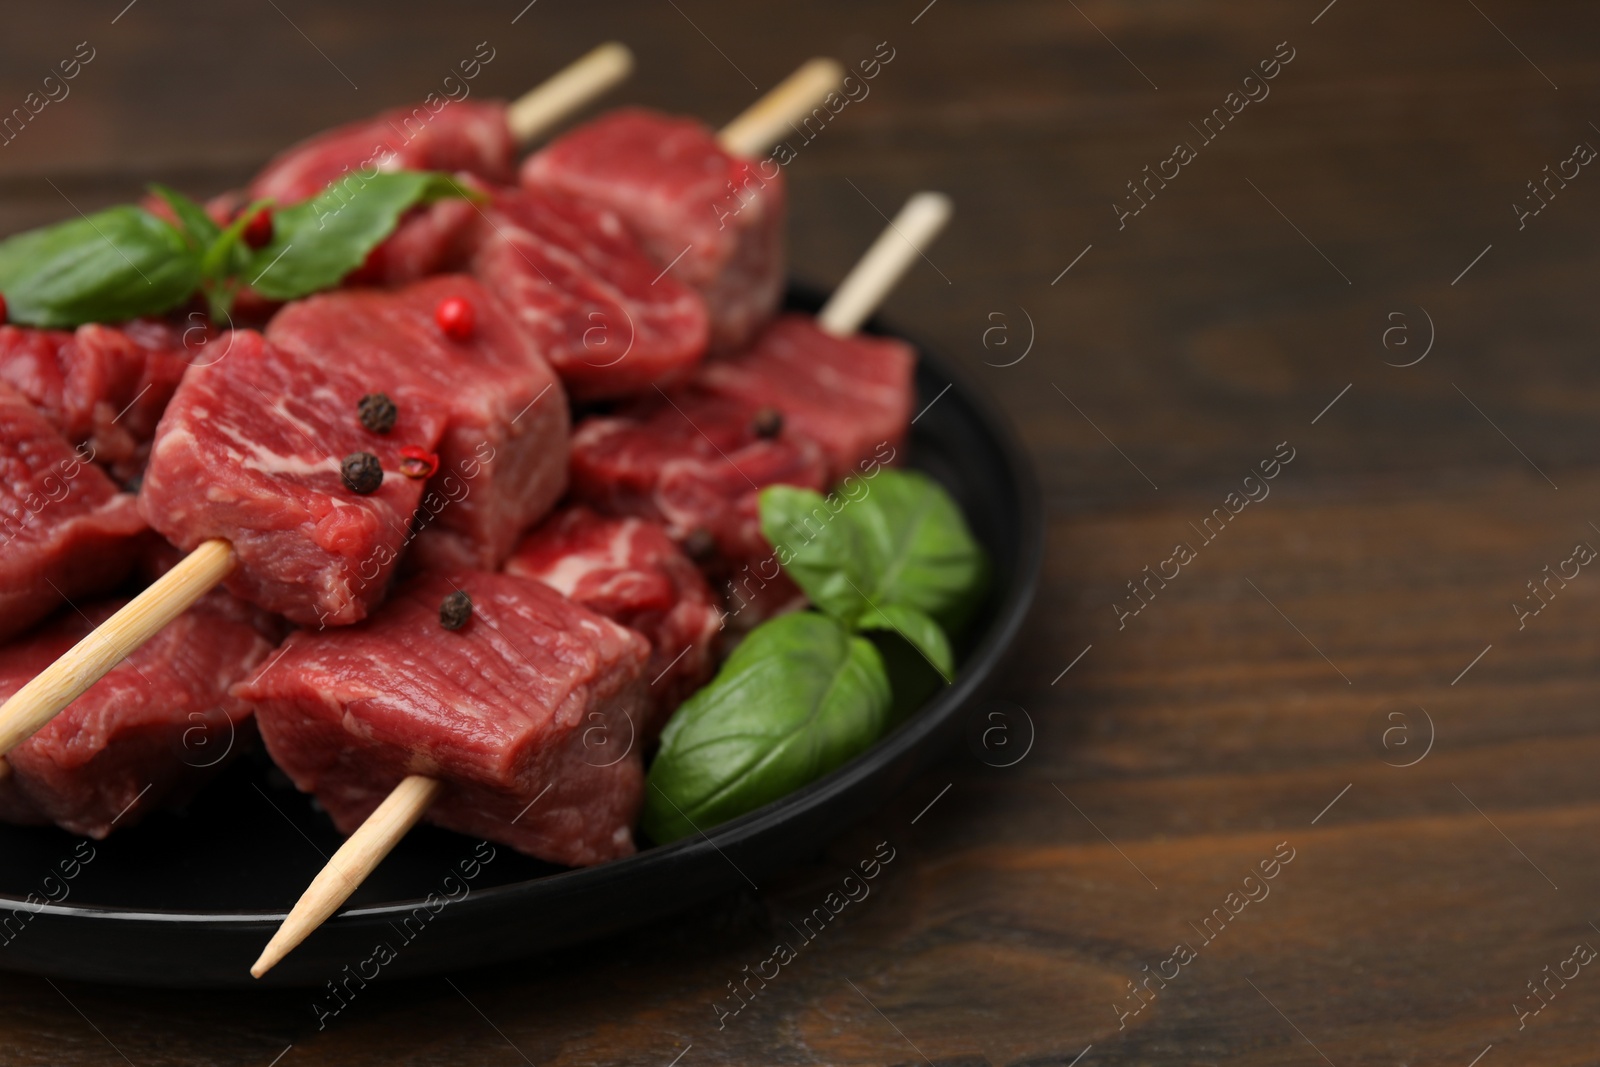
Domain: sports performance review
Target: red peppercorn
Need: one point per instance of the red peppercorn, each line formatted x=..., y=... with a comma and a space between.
x=418, y=462
x=455, y=317
x=258, y=231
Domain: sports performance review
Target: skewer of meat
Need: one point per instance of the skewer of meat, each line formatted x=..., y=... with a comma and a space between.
x=212, y=560
x=810, y=402
x=35, y=703
x=416, y=792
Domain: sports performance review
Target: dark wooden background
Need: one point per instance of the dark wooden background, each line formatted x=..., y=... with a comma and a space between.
x=1320, y=641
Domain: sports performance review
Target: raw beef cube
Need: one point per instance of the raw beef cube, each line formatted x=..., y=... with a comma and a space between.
x=609, y=320
x=521, y=713
x=148, y=734
x=30, y=363
x=65, y=530
x=852, y=395
x=717, y=219
x=630, y=571
x=697, y=463
x=503, y=457
x=431, y=239
x=104, y=386
x=455, y=136
x=251, y=449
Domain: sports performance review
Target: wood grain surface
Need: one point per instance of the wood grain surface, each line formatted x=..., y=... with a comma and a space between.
x=1339, y=675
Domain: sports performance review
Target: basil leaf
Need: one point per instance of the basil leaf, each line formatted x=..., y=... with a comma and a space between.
x=918, y=630
x=912, y=679
x=116, y=264
x=197, y=225
x=317, y=242
x=799, y=697
x=902, y=544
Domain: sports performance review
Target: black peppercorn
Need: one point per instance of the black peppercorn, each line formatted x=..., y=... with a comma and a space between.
x=455, y=610
x=768, y=422
x=362, y=473
x=377, y=412
x=699, y=545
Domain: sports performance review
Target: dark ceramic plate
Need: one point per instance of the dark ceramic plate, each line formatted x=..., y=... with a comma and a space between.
x=190, y=899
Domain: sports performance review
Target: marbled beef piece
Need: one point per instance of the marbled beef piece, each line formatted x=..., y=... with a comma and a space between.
x=696, y=463
x=852, y=395
x=65, y=530
x=250, y=450
x=455, y=136
x=716, y=219
x=146, y=735
x=503, y=456
x=630, y=571
x=520, y=713
x=430, y=239
x=104, y=386
x=609, y=320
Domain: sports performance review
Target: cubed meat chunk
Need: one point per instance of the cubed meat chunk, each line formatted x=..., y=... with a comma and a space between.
x=716, y=219
x=252, y=450
x=103, y=386
x=851, y=395
x=610, y=320
x=696, y=463
x=503, y=456
x=523, y=713
x=631, y=572
x=452, y=136
x=146, y=735
x=65, y=530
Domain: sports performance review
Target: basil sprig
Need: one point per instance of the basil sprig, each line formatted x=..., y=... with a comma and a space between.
x=125, y=262
x=897, y=557
x=804, y=693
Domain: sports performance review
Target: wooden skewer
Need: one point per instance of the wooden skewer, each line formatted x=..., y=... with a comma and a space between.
x=877, y=272
x=360, y=854
x=176, y=591
x=86, y=662
x=543, y=107
x=912, y=230
x=763, y=123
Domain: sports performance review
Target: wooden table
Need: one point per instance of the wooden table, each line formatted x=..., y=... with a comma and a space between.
x=1339, y=675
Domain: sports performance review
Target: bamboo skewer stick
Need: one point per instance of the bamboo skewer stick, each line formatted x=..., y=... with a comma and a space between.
x=877, y=272
x=176, y=591
x=360, y=854
x=761, y=125
x=93, y=657
x=890, y=256
x=543, y=107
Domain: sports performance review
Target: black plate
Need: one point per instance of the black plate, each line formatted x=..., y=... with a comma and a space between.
x=189, y=900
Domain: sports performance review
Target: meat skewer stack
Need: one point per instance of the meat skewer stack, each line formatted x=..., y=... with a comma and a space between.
x=68, y=677
x=495, y=750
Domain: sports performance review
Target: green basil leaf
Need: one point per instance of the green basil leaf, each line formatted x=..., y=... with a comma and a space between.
x=919, y=631
x=317, y=242
x=197, y=225
x=799, y=697
x=902, y=543
x=116, y=264
x=912, y=679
